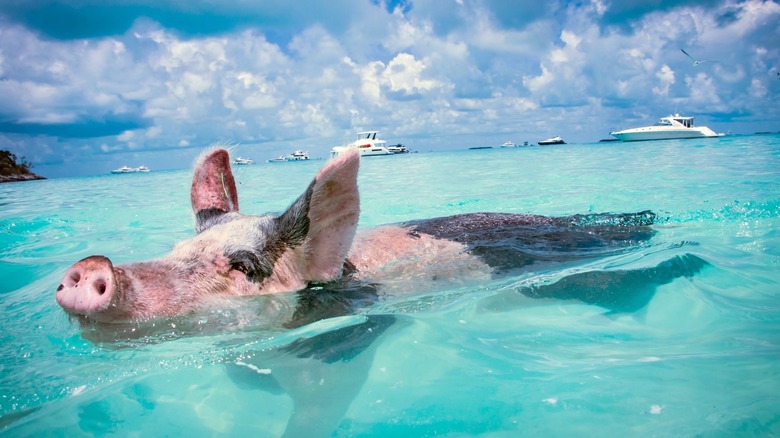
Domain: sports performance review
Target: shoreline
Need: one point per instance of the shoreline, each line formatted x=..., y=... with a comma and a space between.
x=20, y=177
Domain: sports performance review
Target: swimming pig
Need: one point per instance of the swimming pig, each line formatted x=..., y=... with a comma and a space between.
x=315, y=242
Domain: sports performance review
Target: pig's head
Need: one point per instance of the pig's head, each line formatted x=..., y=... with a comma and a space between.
x=232, y=254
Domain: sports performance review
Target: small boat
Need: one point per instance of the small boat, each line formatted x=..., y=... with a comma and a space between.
x=298, y=155
x=398, y=149
x=508, y=144
x=666, y=128
x=243, y=161
x=367, y=143
x=127, y=169
x=553, y=140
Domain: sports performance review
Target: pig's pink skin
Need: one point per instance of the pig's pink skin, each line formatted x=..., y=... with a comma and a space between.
x=392, y=256
x=233, y=254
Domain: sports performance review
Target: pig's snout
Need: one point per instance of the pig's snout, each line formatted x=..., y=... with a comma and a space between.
x=88, y=287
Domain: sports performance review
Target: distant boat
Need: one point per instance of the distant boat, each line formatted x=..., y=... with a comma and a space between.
x=367, y=143
x=480, y=147
x=398, y=149
x=243, y=161
x=552, y=140
x=666, y=128
x=508, y=144
x=298, y=155
x=127, y=169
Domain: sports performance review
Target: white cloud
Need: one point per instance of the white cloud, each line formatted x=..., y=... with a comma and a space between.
x=405, y=73
x=666, y=79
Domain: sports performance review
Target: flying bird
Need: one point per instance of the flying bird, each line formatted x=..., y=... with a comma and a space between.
x=695, y=61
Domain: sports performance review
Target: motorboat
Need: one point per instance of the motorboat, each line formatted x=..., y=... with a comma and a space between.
x=553, y=140
x=123, y=169
x=508, y=144
x=127, y=169
x=367, y=143
x=298, y=155
x=243, y=161
x=398, y=149
x=666, y=128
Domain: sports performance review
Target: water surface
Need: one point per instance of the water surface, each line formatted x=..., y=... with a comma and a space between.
x=701, y=358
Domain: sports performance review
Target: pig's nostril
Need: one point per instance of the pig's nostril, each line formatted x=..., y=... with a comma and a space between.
x=61, y=287
x=100, y=285
x=75, y=277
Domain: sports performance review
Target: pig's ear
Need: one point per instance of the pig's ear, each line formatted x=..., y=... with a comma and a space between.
x=213, y=191
x=324, y=219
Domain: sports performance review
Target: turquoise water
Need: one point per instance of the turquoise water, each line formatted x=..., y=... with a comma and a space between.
x=700, y=359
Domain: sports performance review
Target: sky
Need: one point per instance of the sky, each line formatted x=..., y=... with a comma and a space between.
x=89, y=85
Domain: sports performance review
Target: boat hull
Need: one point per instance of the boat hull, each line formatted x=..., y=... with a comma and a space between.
x=647, y=134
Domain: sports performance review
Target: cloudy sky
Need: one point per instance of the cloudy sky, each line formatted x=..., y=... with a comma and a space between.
x=89, y=85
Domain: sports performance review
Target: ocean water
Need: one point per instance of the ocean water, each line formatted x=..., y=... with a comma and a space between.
x=700, y=358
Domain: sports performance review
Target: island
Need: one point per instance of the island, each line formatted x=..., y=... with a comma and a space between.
x=11, y=170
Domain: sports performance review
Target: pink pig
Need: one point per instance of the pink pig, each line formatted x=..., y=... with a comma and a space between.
x=315, y=241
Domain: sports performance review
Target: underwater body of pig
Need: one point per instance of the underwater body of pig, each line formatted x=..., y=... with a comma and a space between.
x=315, y=241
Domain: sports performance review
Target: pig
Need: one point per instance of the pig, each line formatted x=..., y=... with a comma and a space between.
x=316, y=242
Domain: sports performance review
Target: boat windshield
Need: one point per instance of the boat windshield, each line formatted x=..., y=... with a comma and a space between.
x=369, y=135
x=685, y=121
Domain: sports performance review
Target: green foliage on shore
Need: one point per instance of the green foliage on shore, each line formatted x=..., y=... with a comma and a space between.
x=9, y=165
x=13, y=168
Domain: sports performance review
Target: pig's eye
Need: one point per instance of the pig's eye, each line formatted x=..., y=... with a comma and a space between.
x=249, y=264
x=240, y=267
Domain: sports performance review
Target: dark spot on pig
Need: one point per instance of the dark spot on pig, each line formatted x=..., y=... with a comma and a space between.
x=247, y=262
x=511, y=241
x=348, y=269
x=293, y=224
x=61, y=287
x=290, y=229
x=208, y=217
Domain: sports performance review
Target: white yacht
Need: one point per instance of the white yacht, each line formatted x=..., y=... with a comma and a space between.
x=508, y=144
x=298, y=155
x=367, y=143
x=552, y=140
x=667, y=128
x=128, y=169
